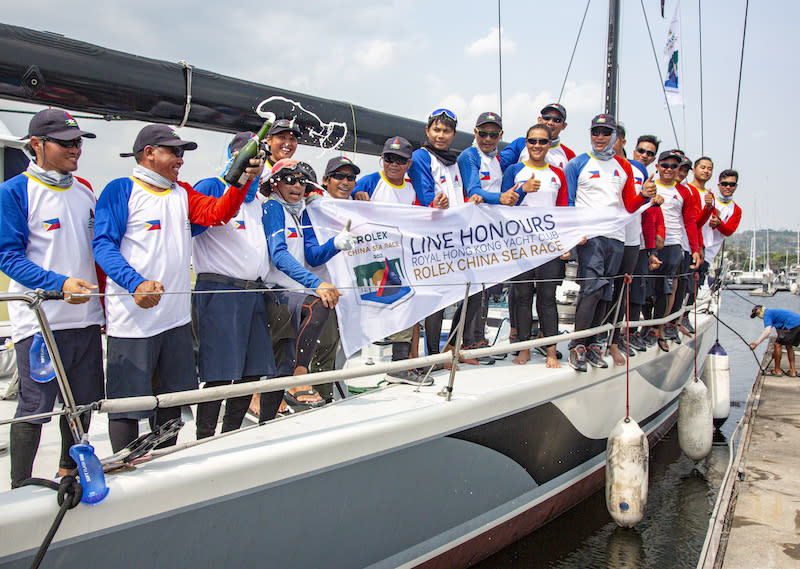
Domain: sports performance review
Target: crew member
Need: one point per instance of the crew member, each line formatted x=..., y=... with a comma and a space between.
x=232, y=330
x=46, y=227
x=143, y=243
x=595, y=179
x=294, y=249
x=537, y=184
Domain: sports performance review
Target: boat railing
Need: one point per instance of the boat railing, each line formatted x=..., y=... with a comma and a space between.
x=191, y=397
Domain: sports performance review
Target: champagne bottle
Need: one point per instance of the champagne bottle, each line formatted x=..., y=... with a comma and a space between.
x=235, y=176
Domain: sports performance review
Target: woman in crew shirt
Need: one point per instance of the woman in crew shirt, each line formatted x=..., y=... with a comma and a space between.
x=537, y=184
x=293, y=249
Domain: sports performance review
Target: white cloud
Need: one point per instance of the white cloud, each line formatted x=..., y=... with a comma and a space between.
x=375, y=54
x=488, y=45
x=583, y=97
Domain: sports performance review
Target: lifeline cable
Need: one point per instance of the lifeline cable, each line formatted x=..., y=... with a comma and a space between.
x=739, y=88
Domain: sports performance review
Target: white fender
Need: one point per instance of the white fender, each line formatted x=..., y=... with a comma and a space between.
x=627, y=456
x=717, y=377
x=695, y=421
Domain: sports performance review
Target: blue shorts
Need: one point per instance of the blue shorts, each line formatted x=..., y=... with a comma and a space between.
x=136, y=367
x=82, y=356
x=232, y=333
x=599, y=260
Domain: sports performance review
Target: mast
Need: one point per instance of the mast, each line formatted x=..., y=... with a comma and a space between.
x=612, y=58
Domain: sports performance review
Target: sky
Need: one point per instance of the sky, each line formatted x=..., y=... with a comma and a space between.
x=410, y=57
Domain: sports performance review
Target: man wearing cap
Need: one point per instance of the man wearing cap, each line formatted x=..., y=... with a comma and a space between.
x=787, y=324
x=338, y=180
x=553, y=115
x=46, y=228
x=281, y=141
x=480, y=164
x=143, y=243
x=680, y=220
x=391, y=185
x=231, y=330
x=340, y=177
x=599, y=178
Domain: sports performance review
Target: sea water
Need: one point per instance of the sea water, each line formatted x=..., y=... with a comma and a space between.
x=681, y=494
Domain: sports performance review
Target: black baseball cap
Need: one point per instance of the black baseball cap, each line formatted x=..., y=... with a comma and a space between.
x=239, y=140
x=604, y=120
x=158, y=135
x=337, y=162
x=57, y=124
x=756, y=309
x=397, y=145
x=489, y=118
x=557, y=108
x=671, y=154
x=282, y=125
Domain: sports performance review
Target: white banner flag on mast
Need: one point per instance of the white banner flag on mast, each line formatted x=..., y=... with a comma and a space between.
x=674, y=82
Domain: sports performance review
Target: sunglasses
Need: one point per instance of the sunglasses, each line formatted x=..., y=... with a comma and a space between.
x=729, y=184
x=395, y=159
x=601, y=131
x=668, y=165
x=488, y=133
x=74, y=143
x=342, y=176
x=441, y=112
x=292, y=179
x=176, y=150
x=539, y=141
x=649, y=153
x=552, y=118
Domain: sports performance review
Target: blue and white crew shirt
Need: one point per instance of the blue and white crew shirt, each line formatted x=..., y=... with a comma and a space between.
x=237, y=249
x=45, y=237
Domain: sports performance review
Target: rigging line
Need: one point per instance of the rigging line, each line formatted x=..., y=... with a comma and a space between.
x=700, y=36
x=660, y=78
x=739, y=88
x=574, y=48
x=500, y=56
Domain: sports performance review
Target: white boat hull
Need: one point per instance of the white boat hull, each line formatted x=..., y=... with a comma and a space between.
x=392, y=478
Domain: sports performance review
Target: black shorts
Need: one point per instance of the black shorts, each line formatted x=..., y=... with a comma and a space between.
x=599, y=260
x=136, y=367
x=671, y=257
x=82, y=356
x=788, y=337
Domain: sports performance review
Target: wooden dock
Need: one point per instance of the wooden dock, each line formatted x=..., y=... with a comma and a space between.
x=759, y=522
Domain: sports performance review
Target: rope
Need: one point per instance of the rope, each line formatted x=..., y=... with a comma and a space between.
x=355, y=128
x=574, y=48
x=696, y=278
x=69, y=496
x=187, y=73
x=660, y=78
x=739, y=88
x=700, y=37
x=500, y=56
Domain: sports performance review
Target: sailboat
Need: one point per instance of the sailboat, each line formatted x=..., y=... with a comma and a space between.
x=394, y=477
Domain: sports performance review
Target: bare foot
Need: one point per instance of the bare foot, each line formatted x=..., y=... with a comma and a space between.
x=777, y=371
x=616, y=355
x=523, y=357
x=283, y=407
x=552, y=362
x=255, y=404
x=305, y=397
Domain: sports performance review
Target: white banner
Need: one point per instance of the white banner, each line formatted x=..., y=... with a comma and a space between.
x=673, y=83
x=412, y=261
